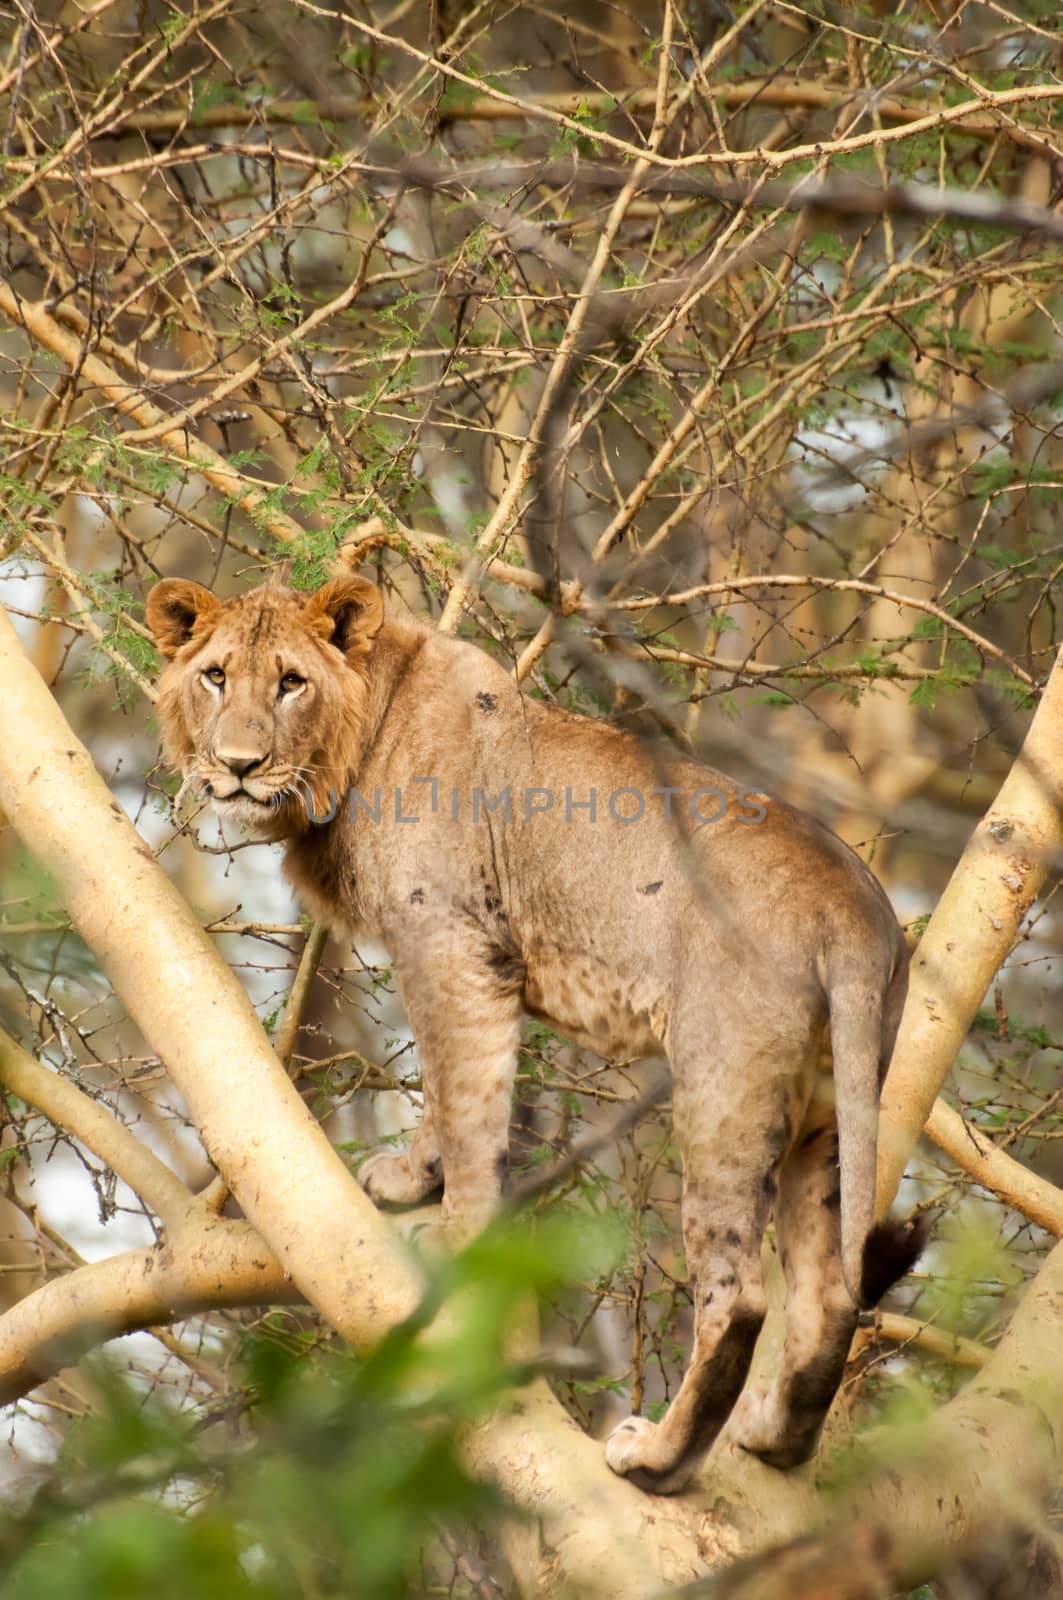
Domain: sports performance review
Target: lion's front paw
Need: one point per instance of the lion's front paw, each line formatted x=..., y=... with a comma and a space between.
x=393, y=1180
x=624, y=1448
x=634, y=1450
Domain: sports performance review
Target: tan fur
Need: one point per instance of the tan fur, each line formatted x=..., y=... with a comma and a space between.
x=731, y=947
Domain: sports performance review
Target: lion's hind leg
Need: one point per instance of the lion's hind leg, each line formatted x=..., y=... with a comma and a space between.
x=734, y=1121
x=781, y=1424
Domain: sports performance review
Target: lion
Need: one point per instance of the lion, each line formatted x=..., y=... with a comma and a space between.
x=516, y=859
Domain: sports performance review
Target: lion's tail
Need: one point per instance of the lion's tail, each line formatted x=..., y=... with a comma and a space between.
x=864, y=1015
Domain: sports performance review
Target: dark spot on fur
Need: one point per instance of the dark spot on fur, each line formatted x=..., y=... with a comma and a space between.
x=710, y=1233
x=709, y=1298
x=417, y=897
x=508, y=968
x=769, y=1185
x=652, y=888
x=832, y=1201
x=733, y=1239
x=486, y=702
x=728, y=1282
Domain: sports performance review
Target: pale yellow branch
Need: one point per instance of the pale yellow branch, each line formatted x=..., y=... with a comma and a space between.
x=995, y=883
x=980, y=1460
x=98, y=1130
x=220, y=1264
x=214, y=1195
x=102, y=117
x=952, y=1347
x=994, y=1169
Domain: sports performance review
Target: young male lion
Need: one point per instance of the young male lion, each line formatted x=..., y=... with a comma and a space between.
x=514, y=858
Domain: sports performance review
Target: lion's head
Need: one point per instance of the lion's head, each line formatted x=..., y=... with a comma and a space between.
x=262, y=703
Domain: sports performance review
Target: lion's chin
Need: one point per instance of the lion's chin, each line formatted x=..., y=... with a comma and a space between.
x=257, y=816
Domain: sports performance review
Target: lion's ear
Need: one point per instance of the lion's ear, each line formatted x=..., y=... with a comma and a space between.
x=176, y=607
x=348, y=612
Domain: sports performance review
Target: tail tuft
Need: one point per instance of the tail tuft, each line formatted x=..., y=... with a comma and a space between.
x=891, y=1250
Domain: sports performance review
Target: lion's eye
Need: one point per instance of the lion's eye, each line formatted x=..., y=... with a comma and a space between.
x=290, y=682
x=214, y=675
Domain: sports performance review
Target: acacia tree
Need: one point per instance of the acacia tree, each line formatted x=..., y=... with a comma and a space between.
x=701, y=367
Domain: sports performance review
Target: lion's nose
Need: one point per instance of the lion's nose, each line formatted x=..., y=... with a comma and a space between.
x=239, y=762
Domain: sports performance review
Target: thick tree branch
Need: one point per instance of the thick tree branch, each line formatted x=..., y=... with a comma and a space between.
x=973, y=927
x=214, y=1195
x=99, y=1131
x=994, y=1169
x=215, y=1265
x=951, y=1347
